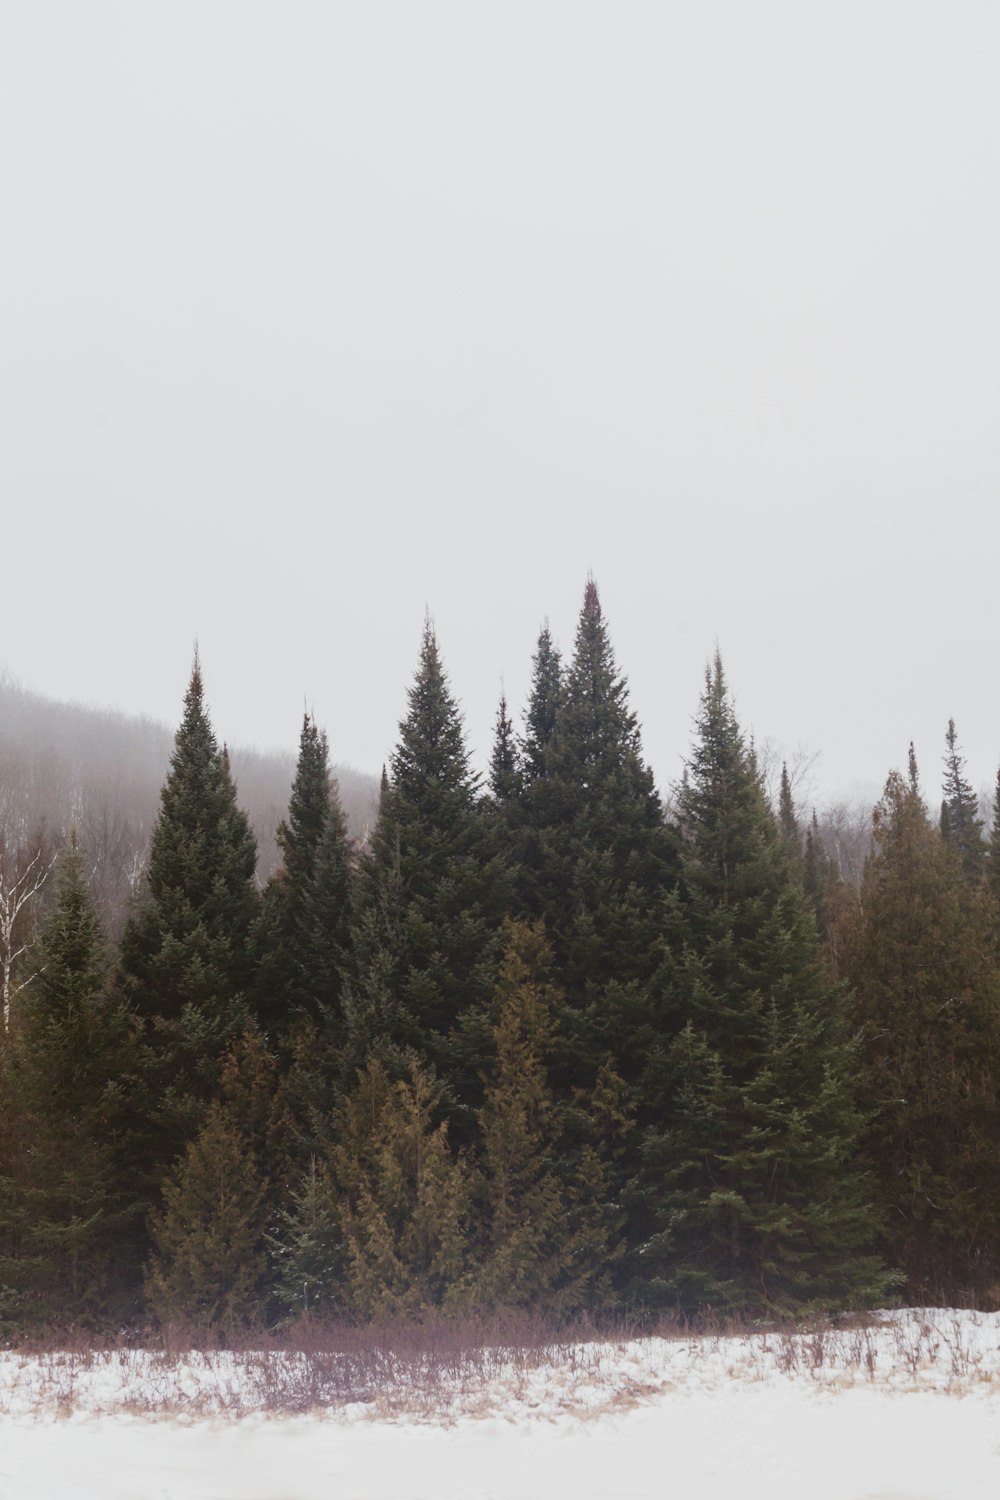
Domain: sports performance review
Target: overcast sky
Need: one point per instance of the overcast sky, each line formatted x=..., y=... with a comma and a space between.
x=313, y=315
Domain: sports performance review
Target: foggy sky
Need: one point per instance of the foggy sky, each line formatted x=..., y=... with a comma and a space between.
x=313, y=315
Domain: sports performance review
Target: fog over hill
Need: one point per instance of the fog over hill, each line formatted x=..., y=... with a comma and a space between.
x=65, y=764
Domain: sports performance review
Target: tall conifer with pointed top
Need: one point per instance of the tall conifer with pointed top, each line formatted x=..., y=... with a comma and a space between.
x=544, y=704
x=597, y=855
x=788, y=821
x=819, y=877
x=307, y=917
x=750, y=1194
x=186, y=956
x=432, y=894
x=505, y=770
x=961, y=825
x=992, y=860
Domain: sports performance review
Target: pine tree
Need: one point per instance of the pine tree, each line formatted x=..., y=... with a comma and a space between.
x=546, y=1240
x=750, y=1193
x=431, y=897
x=919, y=951
x=187, y=958
x=961, y=825
x=67, y=1174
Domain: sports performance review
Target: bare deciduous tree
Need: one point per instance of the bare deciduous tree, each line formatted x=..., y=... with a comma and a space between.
x=23, y=873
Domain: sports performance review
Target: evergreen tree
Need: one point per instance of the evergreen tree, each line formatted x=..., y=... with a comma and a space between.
x=187, y=958
x=545, y=1240
x=210, y=1239
x=961, y=825
x=66, y=1188
x=788, y=822
x=544, y=705
x=401, y=1200
x=992, y=859
x=305, y=1247
x=431, y=897
x=819, y=877
x=307, y=916
x=210, y=1260
x=750, y=1194
x=919, y=951
x=596, y=856
x=505, y=771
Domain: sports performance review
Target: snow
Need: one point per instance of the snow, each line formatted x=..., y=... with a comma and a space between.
x=908, y=1409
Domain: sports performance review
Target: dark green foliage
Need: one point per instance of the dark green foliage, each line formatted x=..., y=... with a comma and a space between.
x=919, y=951
x=751, y=1189
x=992, y=858
x=64, y=1199
x=306, y=927
x=306, y=1248
x=505, y=769
x=961, y=825
x=788, y=823
x=544, y=705
x=819, y=877
x=186, y=958
x=431, y=897
x=595, y=857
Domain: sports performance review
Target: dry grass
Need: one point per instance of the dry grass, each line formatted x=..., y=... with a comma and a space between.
x=513, y=1366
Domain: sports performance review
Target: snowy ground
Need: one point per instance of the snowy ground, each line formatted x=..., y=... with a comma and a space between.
x=907, y=1410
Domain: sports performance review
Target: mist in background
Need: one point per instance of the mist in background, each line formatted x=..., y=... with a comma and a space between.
x=313, y=316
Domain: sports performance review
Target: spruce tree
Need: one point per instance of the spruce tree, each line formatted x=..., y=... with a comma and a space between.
x=596, y=857
x=992, y=859
x=961, y=825
x=750, y=1194
x=307, y=917
x=819, y=877
x=544, y=705
x=306, y=1247
x=549, y=1236
x=505, y=770
x=70, y=1066
x=788, y=822
x=918, y=949
x=401, y=1200
x=431, y=896
x=210, y=1260
x=187, y=957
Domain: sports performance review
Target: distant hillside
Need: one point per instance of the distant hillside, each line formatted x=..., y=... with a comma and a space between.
x=64, y=764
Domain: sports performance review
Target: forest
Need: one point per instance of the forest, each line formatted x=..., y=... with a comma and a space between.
x=540, y=1039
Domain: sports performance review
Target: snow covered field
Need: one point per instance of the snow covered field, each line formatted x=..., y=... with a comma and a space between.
x=906, y=1410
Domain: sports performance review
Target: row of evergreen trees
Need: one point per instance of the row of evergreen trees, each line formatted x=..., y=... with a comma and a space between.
x=535, y=1043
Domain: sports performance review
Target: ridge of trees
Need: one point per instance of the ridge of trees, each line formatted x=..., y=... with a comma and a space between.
x=535, y=1040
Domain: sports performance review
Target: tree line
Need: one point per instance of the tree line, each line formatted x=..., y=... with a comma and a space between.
x=535, y=1040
